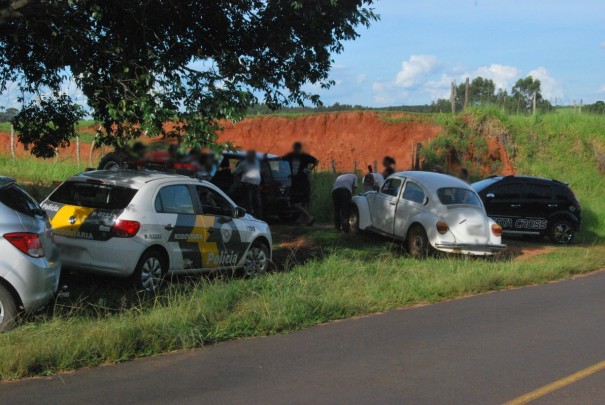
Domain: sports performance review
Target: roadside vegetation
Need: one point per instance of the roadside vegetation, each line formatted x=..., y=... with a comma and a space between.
x=320, y=275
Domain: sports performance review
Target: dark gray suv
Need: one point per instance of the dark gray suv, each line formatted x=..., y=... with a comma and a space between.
x=29, y=265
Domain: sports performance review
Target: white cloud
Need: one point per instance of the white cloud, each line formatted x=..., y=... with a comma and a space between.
x=602, y=44
x=601, y=90
x=439, y=88
x=416, y=69
x=502, y=75
x=361, y=79
x=387, y=94
x=551, y=88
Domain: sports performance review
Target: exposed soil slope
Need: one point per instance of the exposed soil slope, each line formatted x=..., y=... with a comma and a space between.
x=344, y=137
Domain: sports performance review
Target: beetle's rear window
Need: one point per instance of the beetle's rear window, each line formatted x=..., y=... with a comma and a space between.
x=93, y=195
x=458, y=196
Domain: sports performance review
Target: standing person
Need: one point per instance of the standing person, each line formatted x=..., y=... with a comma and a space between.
x=247, y=173
x=388, y=164
x=342, y=194
x=301, y=164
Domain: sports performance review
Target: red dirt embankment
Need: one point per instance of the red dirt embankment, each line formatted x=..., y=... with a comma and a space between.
x=346, y=137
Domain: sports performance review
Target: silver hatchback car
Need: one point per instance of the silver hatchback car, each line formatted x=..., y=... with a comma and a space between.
x=29, y=265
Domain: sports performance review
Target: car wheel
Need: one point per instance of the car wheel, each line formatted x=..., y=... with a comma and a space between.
x=8, y=309
x=256, y=261
x=418, y=242
x=354, y=220
x=112, y=161
x=561, y=232
x=150, y=271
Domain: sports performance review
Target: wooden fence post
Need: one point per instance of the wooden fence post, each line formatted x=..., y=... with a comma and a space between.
x=453, y=97
x=56, y=155
x=78, y=150
x=376, y=166
x=333, y=167
x=92, y=148
x=13, y=142
x=355, y=166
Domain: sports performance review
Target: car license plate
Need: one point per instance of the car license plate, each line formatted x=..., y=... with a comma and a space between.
x=476, y=230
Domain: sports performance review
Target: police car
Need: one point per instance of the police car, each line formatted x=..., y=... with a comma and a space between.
x=146, y=224
x=534, y=206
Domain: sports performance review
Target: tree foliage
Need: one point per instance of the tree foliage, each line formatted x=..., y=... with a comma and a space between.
x=143, y=63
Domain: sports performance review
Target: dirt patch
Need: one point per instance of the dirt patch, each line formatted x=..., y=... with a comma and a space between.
x=344, y=137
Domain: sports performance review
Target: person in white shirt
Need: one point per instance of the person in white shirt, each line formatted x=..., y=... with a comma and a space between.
x=342, y=193
x=247, y=173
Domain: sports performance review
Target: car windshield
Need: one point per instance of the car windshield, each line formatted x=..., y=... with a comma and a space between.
x=279, y=168
x=93, y=195
x=483, y=184
x=17, y=199
x=458, y=196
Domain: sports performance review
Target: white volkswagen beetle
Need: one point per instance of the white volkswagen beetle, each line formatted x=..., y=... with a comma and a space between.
x=429, y=211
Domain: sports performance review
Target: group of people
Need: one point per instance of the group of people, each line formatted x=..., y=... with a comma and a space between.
x=248, y=175
x=345, y=187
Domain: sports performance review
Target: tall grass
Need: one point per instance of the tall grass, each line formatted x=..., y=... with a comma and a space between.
x=33, y=170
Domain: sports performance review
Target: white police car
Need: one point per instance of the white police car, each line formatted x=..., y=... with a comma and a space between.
x=146, y=224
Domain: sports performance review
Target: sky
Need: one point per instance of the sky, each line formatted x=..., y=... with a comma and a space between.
x=418, y=48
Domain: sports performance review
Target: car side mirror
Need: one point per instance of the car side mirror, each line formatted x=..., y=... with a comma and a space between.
x=490, y=195
x=425, y=201
x=239, y=212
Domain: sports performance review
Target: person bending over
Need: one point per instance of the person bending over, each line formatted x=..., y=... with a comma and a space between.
x=342, y=194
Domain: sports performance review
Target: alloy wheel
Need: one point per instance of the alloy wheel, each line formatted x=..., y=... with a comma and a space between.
x=256, y=262
x=563, y=233
x=151, y=274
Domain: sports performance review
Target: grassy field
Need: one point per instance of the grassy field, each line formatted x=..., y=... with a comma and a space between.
x=321, y=275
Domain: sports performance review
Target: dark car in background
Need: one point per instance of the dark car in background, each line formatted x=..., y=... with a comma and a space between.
x=276, y=181
x=533, y=206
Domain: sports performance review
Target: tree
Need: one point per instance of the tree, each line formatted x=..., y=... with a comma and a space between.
x=524, y=91
x=143, y=63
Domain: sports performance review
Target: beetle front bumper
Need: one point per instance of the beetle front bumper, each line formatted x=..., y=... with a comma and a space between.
x=470, y=248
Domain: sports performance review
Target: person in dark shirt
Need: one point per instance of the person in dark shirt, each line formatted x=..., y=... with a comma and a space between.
x=388, y=164
x=301, y=165
x=223, y=178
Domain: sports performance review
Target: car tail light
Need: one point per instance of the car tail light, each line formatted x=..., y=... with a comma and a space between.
x=125, y=229
x=442, y=227
x=185, y=166
x=28, y=243
x=497, y=230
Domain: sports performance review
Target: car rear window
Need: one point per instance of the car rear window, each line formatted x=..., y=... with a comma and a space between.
x=15, y=198
x=280, y=168
x=92, y=195
x=458, y=196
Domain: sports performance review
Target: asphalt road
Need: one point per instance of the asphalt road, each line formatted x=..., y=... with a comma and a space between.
x=487, y=349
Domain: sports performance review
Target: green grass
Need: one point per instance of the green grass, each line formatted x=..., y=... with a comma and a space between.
x=346, y=281
x=33, y=170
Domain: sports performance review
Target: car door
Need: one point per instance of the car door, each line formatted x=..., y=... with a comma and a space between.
x=177, y=219
x=411, y=203
x=226, y=238
x=539, y=204
x=504, y=204
x=385, y=205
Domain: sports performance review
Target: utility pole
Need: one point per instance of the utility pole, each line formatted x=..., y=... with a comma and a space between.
x=467, y=89
x=453, y=98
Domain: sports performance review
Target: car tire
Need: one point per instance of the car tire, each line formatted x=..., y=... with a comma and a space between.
x=418, y=243
x=256, y=260
x=8, y=309
x=354, y=221
x=150, y=271
x=112, y=161
x=561, y=232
